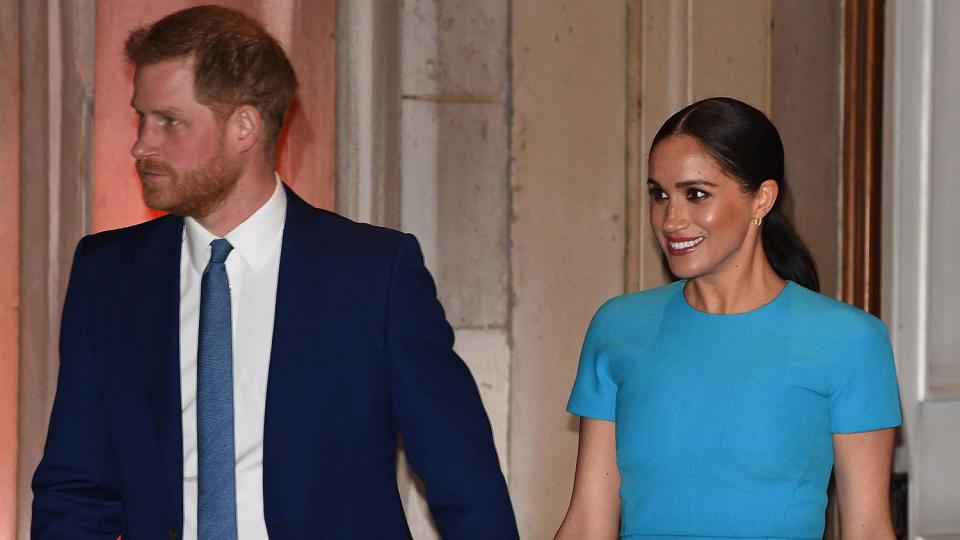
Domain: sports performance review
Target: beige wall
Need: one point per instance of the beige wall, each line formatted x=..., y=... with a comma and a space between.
x=567, y=229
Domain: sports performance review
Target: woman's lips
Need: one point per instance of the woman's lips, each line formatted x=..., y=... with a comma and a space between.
x=683, y=246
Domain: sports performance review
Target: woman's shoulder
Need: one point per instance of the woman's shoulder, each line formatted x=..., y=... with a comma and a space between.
x=638, y=305
x=823, y=315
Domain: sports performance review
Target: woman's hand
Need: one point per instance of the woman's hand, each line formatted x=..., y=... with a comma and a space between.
x=594, y=511
x=862, y=469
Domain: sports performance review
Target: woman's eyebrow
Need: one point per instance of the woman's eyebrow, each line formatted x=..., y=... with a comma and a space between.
x=696, y=182
x=685, y=183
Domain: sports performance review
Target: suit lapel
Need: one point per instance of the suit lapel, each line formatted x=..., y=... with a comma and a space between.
x=305, y=263
x=156, y=340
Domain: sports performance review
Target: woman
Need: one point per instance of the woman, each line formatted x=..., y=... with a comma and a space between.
x=716, y=406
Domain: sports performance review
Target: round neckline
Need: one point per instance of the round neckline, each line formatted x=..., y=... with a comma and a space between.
x=765, y=307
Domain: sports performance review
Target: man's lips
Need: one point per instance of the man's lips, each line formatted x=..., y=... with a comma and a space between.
x=149, y=168
x=152, y=174
x=684, y=245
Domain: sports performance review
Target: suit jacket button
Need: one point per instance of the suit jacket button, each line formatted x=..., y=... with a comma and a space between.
x=172, y=534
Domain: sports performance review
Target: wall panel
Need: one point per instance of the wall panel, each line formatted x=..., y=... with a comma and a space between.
x=805, y=106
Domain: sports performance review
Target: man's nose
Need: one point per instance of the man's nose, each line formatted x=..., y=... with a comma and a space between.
x=145, y=145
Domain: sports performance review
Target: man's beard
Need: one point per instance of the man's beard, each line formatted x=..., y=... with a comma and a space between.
x=194, y=193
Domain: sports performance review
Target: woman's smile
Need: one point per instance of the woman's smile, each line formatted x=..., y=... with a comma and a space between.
x=682, y=246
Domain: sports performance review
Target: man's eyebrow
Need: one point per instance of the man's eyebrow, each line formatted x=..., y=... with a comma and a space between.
x=170, y=111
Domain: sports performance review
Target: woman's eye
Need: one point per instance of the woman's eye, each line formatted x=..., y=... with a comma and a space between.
x=657, y=194
x=697, y=194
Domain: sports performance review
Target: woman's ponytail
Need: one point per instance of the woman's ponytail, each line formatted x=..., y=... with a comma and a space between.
x=786, y=252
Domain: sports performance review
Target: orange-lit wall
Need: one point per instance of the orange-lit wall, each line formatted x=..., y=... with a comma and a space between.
x=306, y=157
x=9, y=262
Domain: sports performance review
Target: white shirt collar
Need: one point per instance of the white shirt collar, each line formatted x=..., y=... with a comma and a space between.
x=253, y=239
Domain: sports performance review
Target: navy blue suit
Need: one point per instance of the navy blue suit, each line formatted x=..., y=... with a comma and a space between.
x=361, y=351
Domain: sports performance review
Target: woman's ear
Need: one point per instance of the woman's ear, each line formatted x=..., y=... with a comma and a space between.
x=765, y=197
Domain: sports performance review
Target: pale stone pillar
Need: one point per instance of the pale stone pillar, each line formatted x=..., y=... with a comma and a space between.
x=454, y=163
x=368, y=112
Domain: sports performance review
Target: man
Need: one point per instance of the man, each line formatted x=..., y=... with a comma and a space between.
x=166, y=423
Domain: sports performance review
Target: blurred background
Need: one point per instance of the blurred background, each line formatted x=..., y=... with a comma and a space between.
x=511, y=137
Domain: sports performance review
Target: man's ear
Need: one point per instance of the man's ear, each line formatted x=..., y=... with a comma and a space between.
x=765, y=197
x=246, y=125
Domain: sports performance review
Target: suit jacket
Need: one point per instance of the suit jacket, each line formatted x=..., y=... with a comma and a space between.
x=361, y=351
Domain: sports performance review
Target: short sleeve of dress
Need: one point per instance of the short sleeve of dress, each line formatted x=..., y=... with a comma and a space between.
x=594, y=393
x=864, y=395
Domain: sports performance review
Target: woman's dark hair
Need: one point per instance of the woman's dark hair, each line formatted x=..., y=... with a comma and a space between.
x=746, y=145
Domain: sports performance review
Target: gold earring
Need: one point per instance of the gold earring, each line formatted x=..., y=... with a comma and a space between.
x=757, y=221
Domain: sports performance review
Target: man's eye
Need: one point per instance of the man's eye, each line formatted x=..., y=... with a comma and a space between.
x=168, y=121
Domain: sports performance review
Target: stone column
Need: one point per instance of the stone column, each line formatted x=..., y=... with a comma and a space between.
x=368, y=111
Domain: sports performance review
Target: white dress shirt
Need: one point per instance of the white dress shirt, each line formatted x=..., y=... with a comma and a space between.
x=252, y=268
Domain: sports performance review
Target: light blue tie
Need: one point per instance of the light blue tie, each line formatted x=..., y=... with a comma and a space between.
x=216, y=497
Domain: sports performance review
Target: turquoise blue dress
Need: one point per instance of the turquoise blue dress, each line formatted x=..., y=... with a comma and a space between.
x=724, y=423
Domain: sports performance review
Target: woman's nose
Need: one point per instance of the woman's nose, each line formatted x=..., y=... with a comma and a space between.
x=675, y=219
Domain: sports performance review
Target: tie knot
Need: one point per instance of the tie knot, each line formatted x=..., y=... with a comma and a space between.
x=219, y=249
